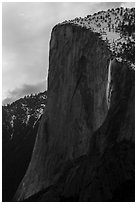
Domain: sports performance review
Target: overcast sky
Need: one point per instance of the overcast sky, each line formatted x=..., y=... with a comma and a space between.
x=26, y=29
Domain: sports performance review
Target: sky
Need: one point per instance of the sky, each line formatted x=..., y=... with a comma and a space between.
x=26, y=30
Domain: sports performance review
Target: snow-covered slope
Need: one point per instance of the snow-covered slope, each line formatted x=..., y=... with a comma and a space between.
x=23, y=112
x=20, y=121
x=116, y=27
x=84, y=149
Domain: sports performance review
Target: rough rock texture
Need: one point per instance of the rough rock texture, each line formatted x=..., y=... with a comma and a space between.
x=83, y=151
x=20, y=122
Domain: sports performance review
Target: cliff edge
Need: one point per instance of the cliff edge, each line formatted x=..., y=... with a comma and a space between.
x=84, y=149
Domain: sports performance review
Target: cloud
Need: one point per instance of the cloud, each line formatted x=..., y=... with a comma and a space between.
x=7, y=100
x=26, y=89
x=26, y=30
x=128, y=4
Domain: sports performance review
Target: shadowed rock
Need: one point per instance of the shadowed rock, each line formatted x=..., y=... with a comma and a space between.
x=83, y=151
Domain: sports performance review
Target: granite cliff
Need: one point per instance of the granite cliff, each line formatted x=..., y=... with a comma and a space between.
x=20, y=121
x=84, y=150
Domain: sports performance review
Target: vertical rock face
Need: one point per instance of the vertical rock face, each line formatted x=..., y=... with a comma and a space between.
x=77, y=83
x=107, y=171
x=77, y=105
x=85, y=144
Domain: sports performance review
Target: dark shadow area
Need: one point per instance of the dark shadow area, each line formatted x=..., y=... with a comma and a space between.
x=125, y=192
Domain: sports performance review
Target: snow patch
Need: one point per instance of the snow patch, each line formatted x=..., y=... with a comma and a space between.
x=12, y=120
x=108, y=25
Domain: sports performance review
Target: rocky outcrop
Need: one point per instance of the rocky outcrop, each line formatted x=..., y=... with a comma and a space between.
x=20, y=122
x=84, y=149
x=76, y=104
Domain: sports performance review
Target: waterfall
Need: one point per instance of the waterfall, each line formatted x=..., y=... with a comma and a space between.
x=108, y=89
